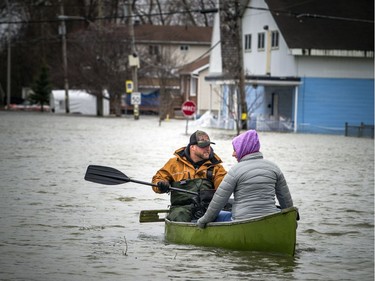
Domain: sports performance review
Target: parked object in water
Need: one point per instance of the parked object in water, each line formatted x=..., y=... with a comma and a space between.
x=275, y=233
x=28, y=106
x=80, y=102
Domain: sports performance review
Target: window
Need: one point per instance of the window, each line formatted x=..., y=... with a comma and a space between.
x=275, y=39
x=247, y=42
x=261, y=37
x=153, y=50
x=184, y=47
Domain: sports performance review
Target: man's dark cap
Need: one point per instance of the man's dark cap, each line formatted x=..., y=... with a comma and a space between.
x=200, y=138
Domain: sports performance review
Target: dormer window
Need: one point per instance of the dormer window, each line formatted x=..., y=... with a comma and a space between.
x=247, y=42
x=275, y=39
x=261, y=40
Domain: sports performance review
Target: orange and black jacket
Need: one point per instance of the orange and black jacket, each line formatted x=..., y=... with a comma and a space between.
x=180, y=168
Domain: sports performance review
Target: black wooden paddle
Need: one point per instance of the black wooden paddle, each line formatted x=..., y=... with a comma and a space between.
x=111, y=176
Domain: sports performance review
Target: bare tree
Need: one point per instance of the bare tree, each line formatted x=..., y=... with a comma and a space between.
x=36, y=38
x=233, y=105
x=231, y=46
x=161, y=68
x=172, y=12
x=99, y=62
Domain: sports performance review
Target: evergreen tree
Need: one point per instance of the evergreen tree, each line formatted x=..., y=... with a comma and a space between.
x=42, y=88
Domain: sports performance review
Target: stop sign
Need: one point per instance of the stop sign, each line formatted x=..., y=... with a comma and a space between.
x=188, y=108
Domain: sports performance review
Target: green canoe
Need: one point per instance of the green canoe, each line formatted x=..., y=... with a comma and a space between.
x=274, y=233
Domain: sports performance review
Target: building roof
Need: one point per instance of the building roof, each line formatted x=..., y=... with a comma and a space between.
x=167, y=33
x=195, y=65
x=325, y=24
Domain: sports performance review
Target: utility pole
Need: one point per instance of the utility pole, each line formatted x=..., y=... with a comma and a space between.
x=8, y=60
x=64, y=56
x=241, y=78
x=133, y=60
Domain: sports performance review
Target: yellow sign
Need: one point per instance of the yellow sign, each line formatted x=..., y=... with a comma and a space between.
x=129, y=86
x=243, y=116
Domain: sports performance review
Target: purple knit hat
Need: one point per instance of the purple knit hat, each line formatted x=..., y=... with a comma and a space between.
x=246, y=143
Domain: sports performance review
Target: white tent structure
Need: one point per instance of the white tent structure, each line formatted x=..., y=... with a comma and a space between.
x=80, y=102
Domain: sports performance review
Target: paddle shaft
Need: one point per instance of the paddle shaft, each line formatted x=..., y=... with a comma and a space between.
x=171, y=188
x=142, y=182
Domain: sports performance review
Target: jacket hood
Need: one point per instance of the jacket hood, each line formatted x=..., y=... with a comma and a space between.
x=246, y=143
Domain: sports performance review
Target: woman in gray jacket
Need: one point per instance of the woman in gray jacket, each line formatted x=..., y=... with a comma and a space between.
x=254, y=181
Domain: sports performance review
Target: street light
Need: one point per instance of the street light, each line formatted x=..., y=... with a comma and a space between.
x=133, y=60
x=8, y=60
x=62, y=31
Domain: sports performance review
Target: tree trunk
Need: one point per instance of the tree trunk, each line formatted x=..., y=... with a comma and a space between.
x=117, y=104
x=99, y=104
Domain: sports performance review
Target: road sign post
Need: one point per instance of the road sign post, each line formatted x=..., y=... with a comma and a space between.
x=135, y=98
x=188, y=109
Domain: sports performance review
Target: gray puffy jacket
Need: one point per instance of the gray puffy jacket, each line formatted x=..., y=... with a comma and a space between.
x=255, y=182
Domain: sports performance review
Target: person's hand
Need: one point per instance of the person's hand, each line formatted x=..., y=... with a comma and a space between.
x=201, y=224
x=163, y=186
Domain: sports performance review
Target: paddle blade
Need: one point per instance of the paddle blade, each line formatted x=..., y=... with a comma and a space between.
x=152, y=215
x=105, y=175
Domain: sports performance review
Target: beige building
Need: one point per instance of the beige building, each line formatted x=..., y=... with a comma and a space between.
x=162, y=51
x=194, y=87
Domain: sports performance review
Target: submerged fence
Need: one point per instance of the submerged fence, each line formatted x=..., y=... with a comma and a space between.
x=360, y=131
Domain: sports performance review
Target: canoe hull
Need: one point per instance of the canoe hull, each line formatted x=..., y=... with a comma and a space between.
x=273, y=233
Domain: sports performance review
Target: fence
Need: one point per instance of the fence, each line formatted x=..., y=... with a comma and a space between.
x=264, y=125
x=361, y=131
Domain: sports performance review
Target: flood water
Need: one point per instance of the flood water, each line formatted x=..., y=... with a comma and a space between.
x=54, y=225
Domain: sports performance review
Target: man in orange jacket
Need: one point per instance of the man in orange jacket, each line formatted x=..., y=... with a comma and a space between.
x=195, y=167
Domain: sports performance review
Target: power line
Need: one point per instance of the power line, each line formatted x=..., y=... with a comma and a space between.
x=308, y=15
x=206, y=11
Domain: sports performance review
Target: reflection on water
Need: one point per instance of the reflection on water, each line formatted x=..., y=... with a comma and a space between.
x=56, y=226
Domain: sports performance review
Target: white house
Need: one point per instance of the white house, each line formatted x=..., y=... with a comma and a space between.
x=308, y=66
